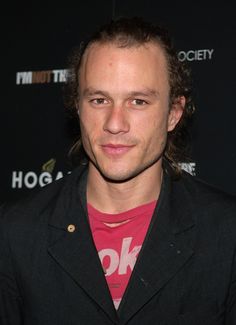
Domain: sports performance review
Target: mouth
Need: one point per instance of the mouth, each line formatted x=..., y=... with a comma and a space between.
x=116, y=149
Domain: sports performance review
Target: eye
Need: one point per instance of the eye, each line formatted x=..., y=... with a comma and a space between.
x=99, y=101
x=138, y=102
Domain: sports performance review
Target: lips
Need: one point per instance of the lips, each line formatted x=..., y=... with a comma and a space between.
x=116, y=149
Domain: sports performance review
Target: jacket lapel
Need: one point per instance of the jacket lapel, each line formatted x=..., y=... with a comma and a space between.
x=166, y=249
x=73, y=247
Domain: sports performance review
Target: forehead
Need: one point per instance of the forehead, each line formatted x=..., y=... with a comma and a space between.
x=110, y=51
x=123, y=69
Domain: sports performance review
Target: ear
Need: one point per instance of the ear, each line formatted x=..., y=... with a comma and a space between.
x=176, y=112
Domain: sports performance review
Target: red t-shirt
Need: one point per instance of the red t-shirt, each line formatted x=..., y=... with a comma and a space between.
x=118, y=246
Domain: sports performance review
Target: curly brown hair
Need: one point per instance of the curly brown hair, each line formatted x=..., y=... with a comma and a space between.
x=129, y=32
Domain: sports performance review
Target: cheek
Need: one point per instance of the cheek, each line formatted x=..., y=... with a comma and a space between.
x=87, y=123
x=154, y=133
x=90, y=129
x=155, y=125
x=84, y=127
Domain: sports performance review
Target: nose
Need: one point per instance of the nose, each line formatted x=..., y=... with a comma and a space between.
x=116, y=120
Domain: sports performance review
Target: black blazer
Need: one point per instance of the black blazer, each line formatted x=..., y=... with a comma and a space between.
x=185, y=272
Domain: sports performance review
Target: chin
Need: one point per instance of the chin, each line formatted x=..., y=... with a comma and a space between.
x=119, y=176
x=117, y=180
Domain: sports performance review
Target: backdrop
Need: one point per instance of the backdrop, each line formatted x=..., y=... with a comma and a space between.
x=36, y=132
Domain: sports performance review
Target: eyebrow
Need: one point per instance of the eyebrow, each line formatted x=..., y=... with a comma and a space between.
x=145, y=92
x=91, y=92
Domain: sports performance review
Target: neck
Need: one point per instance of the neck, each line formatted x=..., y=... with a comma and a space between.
x=111, y=197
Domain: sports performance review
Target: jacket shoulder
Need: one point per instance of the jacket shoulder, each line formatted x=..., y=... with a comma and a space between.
x=205, y=195
x=31, y=206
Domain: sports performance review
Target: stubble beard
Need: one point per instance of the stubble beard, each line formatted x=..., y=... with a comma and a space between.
x=127, y=175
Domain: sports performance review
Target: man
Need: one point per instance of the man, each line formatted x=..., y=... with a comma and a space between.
x=126, y=238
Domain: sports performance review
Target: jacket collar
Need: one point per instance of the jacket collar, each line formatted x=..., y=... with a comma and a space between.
x=167, y=247
x=73, y=248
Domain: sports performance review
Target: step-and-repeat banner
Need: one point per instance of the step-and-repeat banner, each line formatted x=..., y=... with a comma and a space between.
x=36, y=130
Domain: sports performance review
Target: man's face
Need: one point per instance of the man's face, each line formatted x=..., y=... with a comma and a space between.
x=124, y=109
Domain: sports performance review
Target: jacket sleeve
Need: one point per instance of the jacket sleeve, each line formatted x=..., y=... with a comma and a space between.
x=10, y=300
